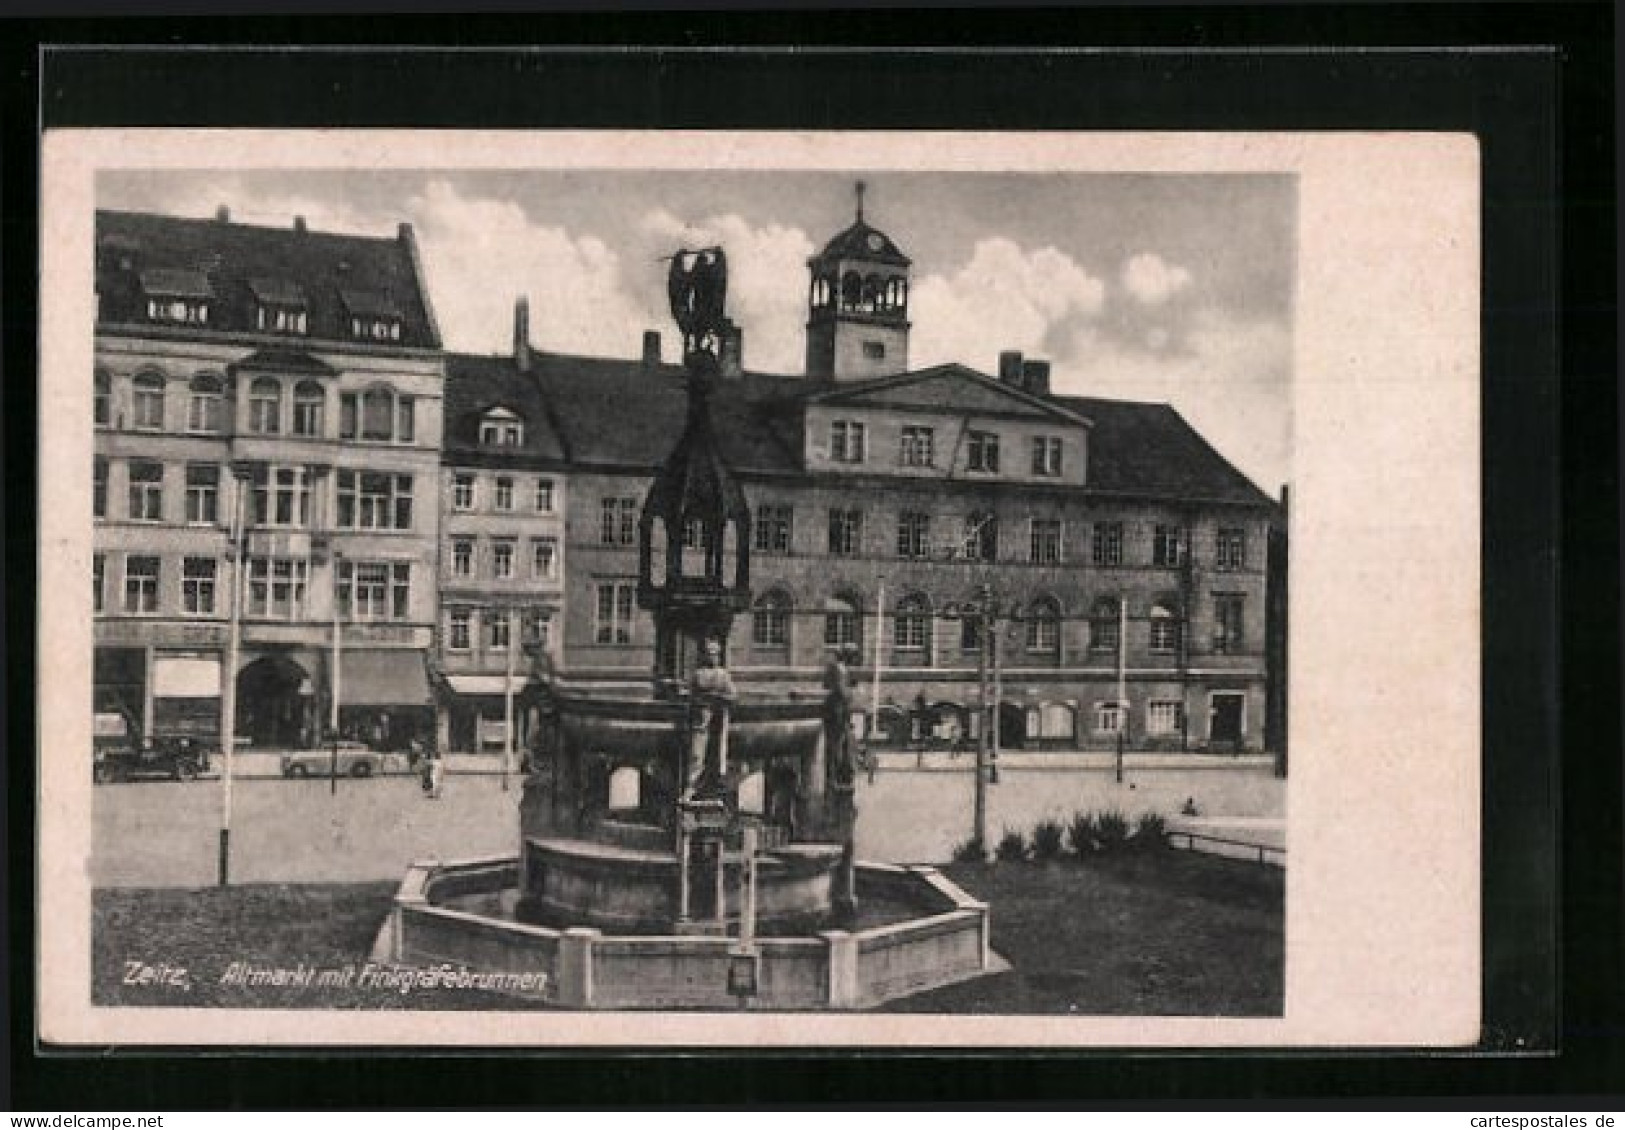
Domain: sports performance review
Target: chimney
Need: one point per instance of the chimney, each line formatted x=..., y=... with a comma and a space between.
x=299, y=224
x=404, y=232
x=223, y=214
x=521, y=334
x=1010, y=366
x=651, y=348
x=732, y=361
x=1035, y=377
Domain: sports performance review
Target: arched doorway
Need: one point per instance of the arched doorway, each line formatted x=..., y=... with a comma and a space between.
x=276, y=704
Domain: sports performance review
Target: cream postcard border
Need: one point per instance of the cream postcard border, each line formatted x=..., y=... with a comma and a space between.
x=1383, y=902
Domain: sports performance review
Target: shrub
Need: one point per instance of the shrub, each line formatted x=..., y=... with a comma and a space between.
x=1012, y=846
x=1150, y=831
x=1111, y=830
x=970, y=851
x=1047, y=840
x=1082, y=833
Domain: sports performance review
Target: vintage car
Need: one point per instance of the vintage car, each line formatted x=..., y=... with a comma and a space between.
x=124, y=753
x=354, y=759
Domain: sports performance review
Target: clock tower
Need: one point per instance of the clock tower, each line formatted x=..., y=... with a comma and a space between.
x=857, y=305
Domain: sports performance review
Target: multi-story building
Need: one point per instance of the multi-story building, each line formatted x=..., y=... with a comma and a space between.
x=287, y=384
x=1125, y=557
x=502, y=551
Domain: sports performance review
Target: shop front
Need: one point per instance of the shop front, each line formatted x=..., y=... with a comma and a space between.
x=477, y=713
x=384, y=700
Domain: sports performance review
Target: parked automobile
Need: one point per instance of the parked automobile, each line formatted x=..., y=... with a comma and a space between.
x=355, y=759
x=123, y=753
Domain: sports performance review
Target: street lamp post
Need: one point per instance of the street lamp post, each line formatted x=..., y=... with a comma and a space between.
x=228, y=681
x=336, y=680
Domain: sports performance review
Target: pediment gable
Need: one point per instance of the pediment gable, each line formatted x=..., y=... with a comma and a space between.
x=952, y=389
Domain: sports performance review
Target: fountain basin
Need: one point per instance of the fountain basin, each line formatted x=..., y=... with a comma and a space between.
x=453, y=913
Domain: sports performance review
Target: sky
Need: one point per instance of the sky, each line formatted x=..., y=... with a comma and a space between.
x=1169, y=287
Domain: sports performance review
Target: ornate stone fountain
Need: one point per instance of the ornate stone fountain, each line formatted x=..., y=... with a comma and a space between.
x=693, y=845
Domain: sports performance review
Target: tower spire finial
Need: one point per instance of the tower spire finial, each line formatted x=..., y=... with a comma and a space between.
x=858, y=190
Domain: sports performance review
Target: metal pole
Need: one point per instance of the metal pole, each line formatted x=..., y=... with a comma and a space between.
x=507, y=701
x=874, y=704
x=1122, y=681
x=337, y=679
x=228, y=679
x=984, y=594
x=998, y=696
x=747, y=916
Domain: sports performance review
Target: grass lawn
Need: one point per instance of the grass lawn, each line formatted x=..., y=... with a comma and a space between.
x=1148, y=933
x=1162, y=933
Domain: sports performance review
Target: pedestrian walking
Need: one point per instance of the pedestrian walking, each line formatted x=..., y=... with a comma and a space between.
x=437, y=775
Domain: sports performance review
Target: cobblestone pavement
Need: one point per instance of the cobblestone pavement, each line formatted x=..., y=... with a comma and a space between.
x=166, y=834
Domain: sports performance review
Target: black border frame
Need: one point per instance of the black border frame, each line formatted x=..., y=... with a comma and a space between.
x=1552, y=99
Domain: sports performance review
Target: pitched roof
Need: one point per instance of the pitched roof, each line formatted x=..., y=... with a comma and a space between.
x=621, y=414
x=860, y=241
x=949, y=386
x=237, y=266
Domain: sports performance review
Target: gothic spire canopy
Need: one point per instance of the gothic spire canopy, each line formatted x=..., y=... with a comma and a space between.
x=862, y=241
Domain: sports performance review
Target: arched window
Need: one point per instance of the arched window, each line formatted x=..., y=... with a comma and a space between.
x=148, y=401
x=843, y=627
x=851, y=290
x=104, y=399
x=770, y=620
x=1044, y=626
x=1104, y=624
x=205, y=406
x=1164, y=626
x=309, y=404
x=377, y=414
x=265, y=406
x=911, y=630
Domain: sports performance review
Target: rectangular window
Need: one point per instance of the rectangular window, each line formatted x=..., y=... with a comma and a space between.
x=349, y=409
x=1046, y=456
x=180, y=310
x=874, y=350
x=612, y=623
x=375, y=590
x=503, y=497
x=281, y=496
x=197, y=586
x=544, y=558
x=913, y=534
x=1108, y=543
x=102, y=406
x=501, y=433
x=773, y=529
x=910, y=628
x=98, y=487
x=265, y=407
x=280, y=319
x=205, y=411
x=619, y=521
x=537, y=629
x=141, y=576
x=307, y=413
x=405, y=419
x=148, y=402
x=840, y=625
x=544, y=496
x=502, y=560
x=1045, y=548
x=1105, y=627
x=770, y=624
x=1044, y=635
x=984, y=452
x=457, y=633
x=1108, y=718
x=1164, y=630
x=1168, y=547
x=276, y=587
x=202, y=493
x=462, y=492
x=845, y=532
x=98, y=578
x=146, y=491
x=374, y=500
x=498, y=629
x=1230, y=549
x=916, y=447
x=462, y=558
x=1164, y=717
x=1229, y=622
x=846, y=441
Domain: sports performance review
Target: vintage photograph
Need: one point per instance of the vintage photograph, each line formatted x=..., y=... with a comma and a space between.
x=858, y=588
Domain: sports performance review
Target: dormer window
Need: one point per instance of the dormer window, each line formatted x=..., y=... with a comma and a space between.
x=280, y=308
x=501, y=428
x=180, y=297
x=373, y=315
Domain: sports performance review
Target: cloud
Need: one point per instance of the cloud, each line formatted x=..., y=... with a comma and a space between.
x=481, y=254
x=1003, y=297
x=767, y=280
x=1229, y=378
x=1152, y=280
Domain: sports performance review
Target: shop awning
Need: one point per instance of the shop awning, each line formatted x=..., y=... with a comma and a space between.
x=383, y=678
x=486, y=684
x=175, y=676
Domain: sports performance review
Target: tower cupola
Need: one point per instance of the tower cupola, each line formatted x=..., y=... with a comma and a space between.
x=857, y=304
